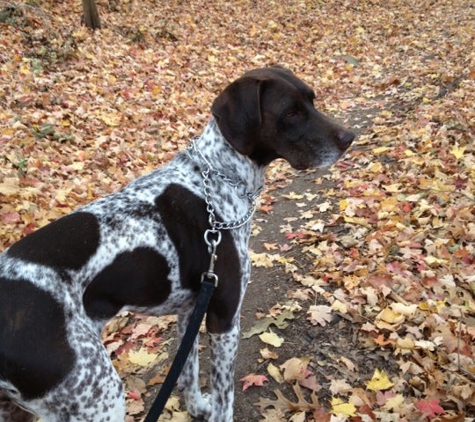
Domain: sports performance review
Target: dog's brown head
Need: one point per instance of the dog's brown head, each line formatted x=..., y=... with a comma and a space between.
x=269, y=113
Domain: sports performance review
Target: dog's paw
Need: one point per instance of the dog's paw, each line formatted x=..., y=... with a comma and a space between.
x=199, y=406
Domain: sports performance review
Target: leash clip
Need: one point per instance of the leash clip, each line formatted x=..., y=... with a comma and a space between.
x=210, y=275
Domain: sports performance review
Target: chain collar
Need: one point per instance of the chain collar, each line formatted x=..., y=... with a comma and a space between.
x=194, y=152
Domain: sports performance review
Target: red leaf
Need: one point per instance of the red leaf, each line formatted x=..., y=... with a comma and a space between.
x=253, y=379
x=135, y=395
x=430, y=408
x=9, y=217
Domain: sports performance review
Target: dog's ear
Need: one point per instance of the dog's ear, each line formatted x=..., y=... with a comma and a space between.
x=237, y=111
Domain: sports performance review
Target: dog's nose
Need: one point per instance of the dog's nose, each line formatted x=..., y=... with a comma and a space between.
x=345, y=138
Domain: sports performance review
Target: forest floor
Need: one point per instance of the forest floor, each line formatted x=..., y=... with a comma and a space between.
x=361, y=305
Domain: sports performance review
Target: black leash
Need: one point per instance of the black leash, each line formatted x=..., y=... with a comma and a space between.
x=209, y=282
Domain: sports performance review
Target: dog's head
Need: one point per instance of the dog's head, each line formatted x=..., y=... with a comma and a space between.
x=269, y=113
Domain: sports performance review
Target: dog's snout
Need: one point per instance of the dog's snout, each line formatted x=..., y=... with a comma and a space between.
x=345, y=138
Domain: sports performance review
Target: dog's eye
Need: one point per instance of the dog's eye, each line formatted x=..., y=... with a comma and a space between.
x=291, y=114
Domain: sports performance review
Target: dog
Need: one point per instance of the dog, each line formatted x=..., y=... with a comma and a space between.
x=143, y=249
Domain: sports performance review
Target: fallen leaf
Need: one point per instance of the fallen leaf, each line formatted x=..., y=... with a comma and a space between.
x=294, y=369
x=430, y=408
x=319, y=314
x=253, y=380
x=339, y=386
x=274, y=372
x=272, y=339
x=141, y=357
x=393, y=403
x=339, y=407
x=380, y=381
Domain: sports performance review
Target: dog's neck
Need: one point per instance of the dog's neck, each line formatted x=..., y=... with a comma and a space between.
x=213, y=151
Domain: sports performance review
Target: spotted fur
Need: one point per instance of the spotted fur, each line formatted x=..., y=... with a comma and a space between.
x=142, y=249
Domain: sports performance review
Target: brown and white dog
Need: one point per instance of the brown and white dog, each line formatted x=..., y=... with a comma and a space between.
x=142, y=249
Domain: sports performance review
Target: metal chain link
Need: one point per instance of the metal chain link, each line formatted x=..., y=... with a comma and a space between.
x=228, y=225
x=236, y=184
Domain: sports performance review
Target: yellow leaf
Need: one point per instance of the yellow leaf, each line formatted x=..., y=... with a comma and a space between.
x=343, y=204
x=458, y=152
x=110, y=120
x=380, y=381
x=272, y=339
x=400, y=308
x=389, y=204
x=141, y=357
x=394, y=403
x=340, y=307
x=77, y=165
x=389, y=316
x=24, y=70
x=405, y=344
x=357, y=220
x=339, y=407
x=173, y=404
x=275, y=373
x=287, y=262
x=264, y=259
x=395, y=187
x=376, y=167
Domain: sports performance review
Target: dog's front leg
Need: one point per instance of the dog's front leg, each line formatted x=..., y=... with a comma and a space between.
x=224, y=348
x=197, y=404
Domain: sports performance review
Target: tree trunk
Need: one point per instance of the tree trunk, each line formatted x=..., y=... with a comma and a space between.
x=91, y=15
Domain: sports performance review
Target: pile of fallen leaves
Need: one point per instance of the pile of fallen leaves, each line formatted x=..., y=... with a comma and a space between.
x=390, y=247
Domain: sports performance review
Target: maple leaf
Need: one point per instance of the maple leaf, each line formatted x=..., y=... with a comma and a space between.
x=458, y=152
x=380, y=381
x=262, y=325
x=253, y=379
x=141, y=357
x=339, y=407
x=394, y=403
x=264, y=259
x=325, y=206
x=405, y=192
x=430, y=408
x=319, y=314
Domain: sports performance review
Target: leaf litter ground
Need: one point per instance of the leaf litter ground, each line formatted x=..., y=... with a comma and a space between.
x=361, y=305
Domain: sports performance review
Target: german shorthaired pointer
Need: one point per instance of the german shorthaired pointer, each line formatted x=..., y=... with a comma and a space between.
x=142, y=249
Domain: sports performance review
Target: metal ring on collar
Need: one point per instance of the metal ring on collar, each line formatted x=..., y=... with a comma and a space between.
x=210, y=241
